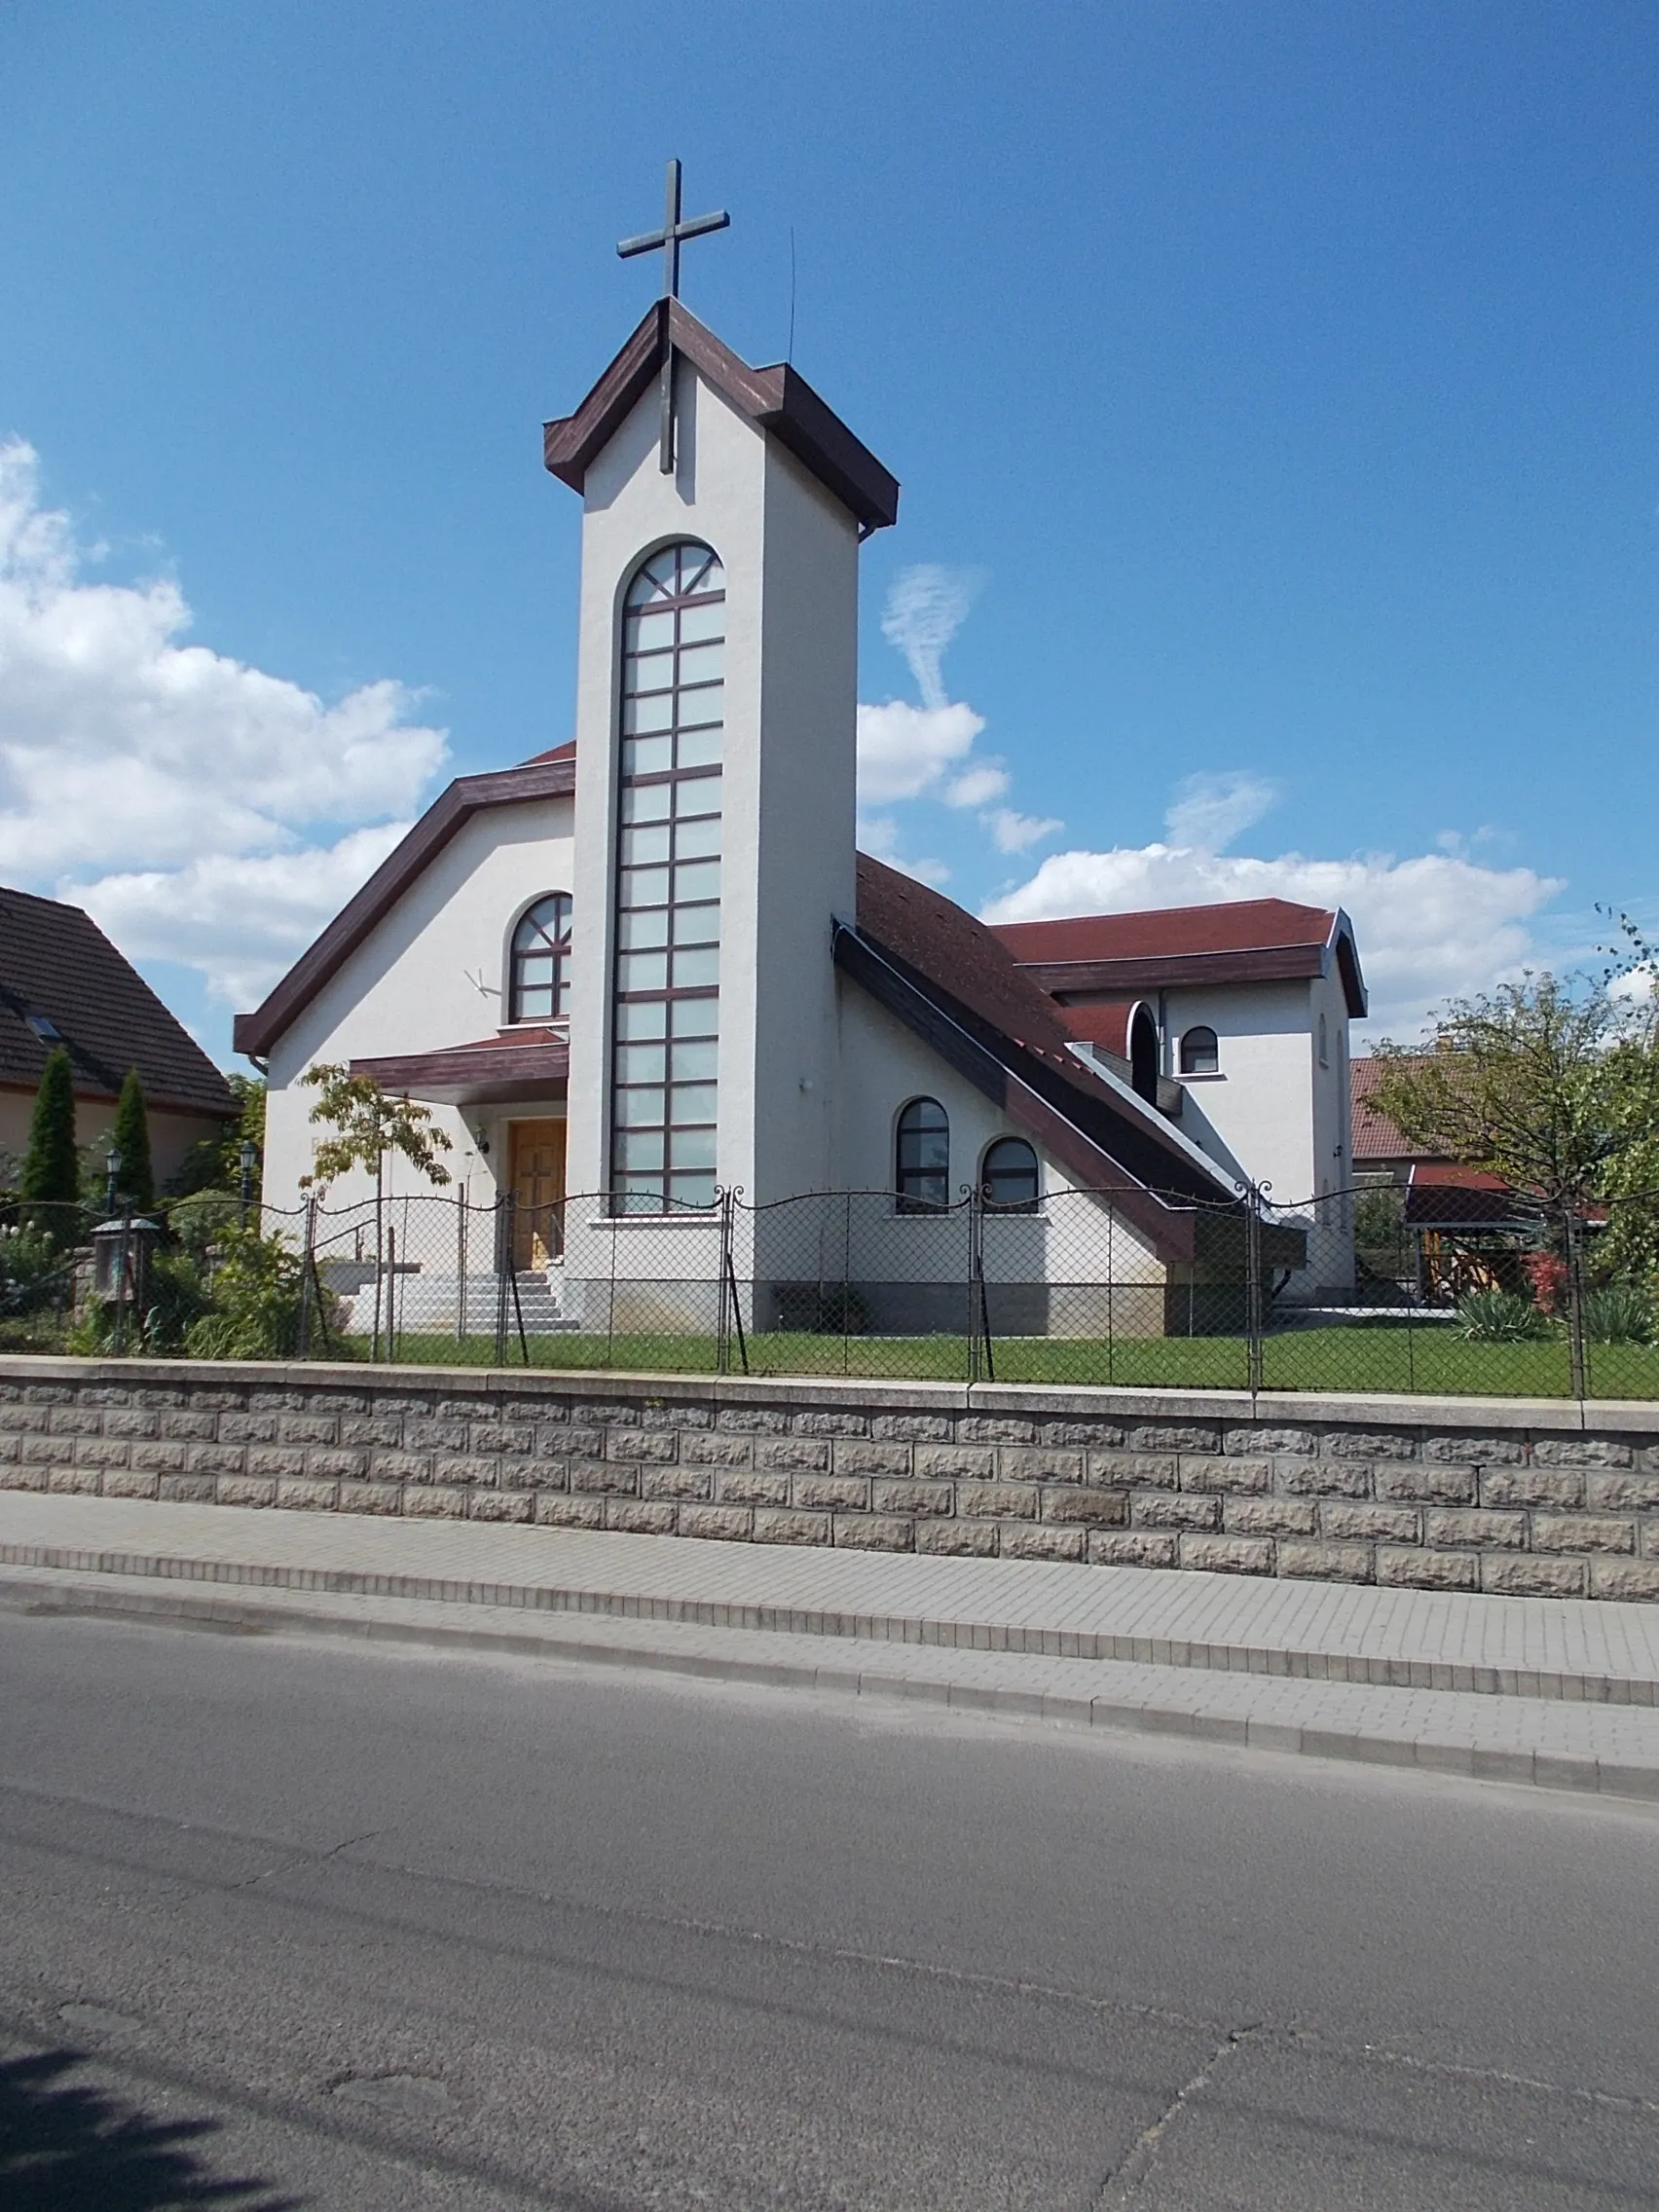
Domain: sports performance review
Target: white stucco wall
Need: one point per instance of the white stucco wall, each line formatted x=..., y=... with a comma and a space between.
x=884, y=1066
x=407, y=989
x=1273, y=1110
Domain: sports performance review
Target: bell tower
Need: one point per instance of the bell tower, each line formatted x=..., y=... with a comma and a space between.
x=722, y=512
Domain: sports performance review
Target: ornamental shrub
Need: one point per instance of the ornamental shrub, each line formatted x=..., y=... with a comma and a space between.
x=256, y=1301
x=51, y=1180
x=1622, y=1314
x=129, y=1136
x=1500, y=1318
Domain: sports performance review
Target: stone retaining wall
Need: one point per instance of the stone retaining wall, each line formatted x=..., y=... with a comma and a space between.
x=1520, y=1497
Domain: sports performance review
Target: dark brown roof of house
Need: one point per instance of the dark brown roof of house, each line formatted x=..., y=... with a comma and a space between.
x=993, y=1023
x=58, y=967
x=1239, y=940
x=1375, y=1135
x=550, y=776
x=777, y=399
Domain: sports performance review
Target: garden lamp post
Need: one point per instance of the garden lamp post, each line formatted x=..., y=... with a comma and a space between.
x=249, y=1162
x=112, y=1163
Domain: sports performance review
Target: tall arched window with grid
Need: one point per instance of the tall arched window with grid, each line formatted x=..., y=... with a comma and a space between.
x=665, y=1088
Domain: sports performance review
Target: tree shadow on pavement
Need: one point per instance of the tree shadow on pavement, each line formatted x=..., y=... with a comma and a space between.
x=70, y=2147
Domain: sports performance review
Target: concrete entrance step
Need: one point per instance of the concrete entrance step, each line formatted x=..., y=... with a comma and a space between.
x=1553, y=1649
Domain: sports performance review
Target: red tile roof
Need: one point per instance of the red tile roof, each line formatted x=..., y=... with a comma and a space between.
x=565, y=752
x=56, y=962
x=1241, y=925
x=1375, y=1136
x=1240, y=941
x=1102, y=1021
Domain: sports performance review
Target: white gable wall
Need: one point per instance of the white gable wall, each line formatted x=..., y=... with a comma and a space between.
x=405, y=989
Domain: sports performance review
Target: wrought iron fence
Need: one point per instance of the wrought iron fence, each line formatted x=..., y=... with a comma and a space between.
x=1431, y=1287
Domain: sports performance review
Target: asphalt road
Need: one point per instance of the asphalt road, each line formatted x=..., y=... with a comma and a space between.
x=287, y=1922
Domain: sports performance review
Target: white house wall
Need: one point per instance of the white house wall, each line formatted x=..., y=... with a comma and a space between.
x=884, y=1067
x=406, y=988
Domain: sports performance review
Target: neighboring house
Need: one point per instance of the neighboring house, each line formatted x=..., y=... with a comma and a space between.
x=650, y=963
x=62, y=983
x=1441, y=1194
x=1380, y=1152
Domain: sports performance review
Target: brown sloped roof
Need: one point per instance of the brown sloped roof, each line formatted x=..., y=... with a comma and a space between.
x=1237, y=940
x=994, y=1023
x=57, y=965
x=1375, y=1135
x=777, y=399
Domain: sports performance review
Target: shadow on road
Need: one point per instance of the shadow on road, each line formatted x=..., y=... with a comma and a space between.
x=70, y=2146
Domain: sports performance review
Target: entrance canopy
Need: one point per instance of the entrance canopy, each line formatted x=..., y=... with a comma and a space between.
x=520, y=1064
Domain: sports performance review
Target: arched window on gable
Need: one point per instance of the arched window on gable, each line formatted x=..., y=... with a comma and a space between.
x=921, y=1168
x=540, y=989
x=1200, y=1053
x=1007, y=1176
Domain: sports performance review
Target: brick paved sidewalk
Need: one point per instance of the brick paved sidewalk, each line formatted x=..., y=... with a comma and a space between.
x=1533, y=1648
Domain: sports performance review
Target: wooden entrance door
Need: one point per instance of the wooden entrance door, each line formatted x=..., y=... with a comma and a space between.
x=535, y=1163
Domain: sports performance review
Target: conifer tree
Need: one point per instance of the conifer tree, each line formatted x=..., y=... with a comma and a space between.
x=129, y=1136
x=52, y=1172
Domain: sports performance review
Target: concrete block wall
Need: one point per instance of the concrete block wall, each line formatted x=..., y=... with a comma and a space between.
x=1520, y=1497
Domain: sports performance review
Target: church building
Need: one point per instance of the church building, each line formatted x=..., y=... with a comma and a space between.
x=651, y=965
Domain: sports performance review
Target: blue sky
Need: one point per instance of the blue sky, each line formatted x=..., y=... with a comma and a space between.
x=1271, y=388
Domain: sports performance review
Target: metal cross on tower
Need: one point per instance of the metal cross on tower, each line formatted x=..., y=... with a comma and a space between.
x=674, y=230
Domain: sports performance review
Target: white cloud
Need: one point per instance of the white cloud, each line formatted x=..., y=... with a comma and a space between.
x=906, y=751
x=985, y=780
x=238, y=918
x=1208, y=811
x=927, y=751
x=926, y=606
x=880, y=837
x=1014, y=832
x=1430, y=927
x=179, y=793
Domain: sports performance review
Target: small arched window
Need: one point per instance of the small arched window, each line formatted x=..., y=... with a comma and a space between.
x=922, y=1162
x=1324, y=1042
x=1201, y=1054
x=1143, y=1054
x=1007, y=1176
x=540, y=990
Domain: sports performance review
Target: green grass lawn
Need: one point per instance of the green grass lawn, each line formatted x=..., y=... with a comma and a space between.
x=1383, y=1356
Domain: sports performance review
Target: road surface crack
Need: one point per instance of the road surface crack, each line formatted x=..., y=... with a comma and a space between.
x=301, y=1858
x=1124, y=2179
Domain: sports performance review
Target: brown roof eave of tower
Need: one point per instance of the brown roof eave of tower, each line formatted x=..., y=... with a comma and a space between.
x=777, y=399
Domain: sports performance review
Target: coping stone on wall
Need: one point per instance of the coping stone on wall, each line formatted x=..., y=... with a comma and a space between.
x=1548, y=1415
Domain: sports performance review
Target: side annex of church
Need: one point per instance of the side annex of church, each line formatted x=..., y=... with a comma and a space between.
x=698, y=984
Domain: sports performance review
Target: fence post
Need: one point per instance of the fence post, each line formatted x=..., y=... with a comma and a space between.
x=723, y=1316
x=503, y=1260
x=1575, y=1305
x=461, y=1210
x=1253, y=1285
x=308, y=1263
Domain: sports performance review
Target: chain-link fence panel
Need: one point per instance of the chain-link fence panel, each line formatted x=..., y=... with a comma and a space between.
x=852, y=1282
x=1446, y=1285
x=1118, y=1286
